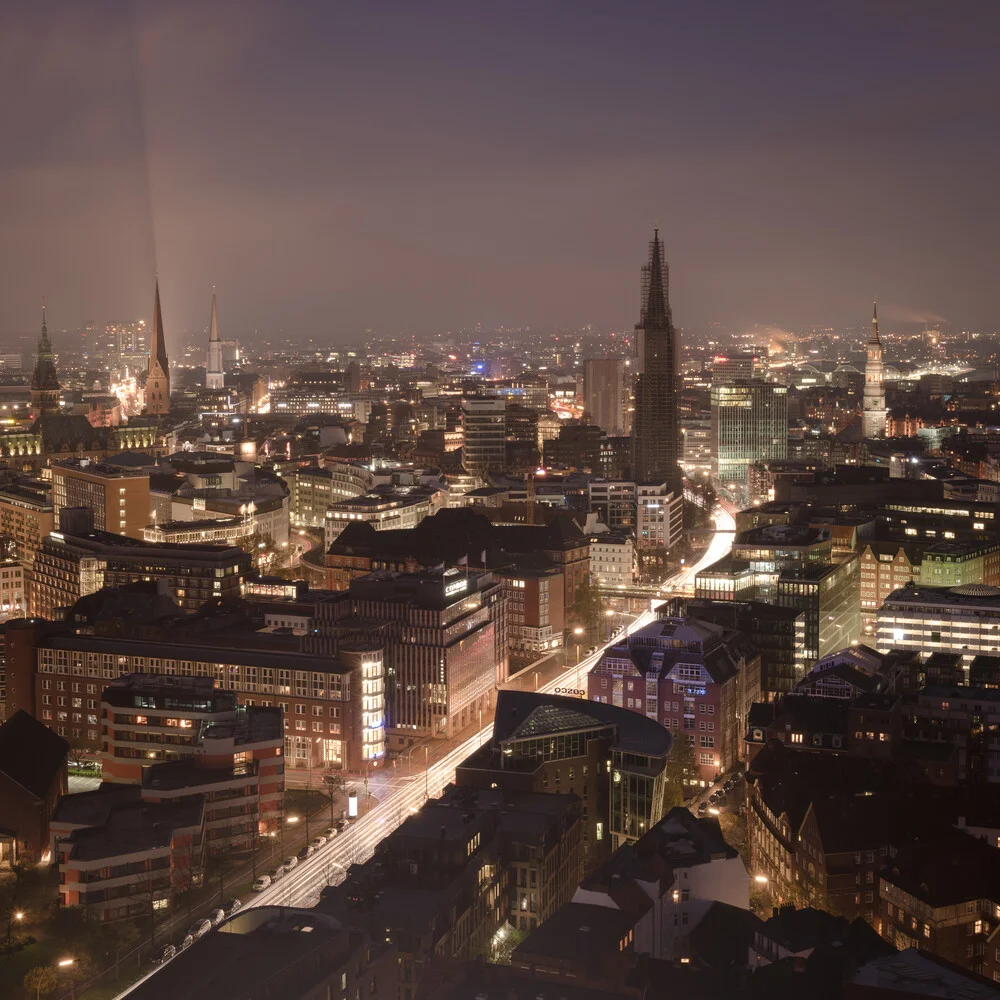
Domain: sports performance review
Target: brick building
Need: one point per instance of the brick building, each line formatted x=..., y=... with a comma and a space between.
x=696, y=679
x=333, y=706
x=118, y=497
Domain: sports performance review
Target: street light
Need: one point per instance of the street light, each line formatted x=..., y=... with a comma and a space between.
x=578, y=632
x=64, y=962
x=760, y=879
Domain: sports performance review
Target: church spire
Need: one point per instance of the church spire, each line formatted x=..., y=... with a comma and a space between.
x=213, y=335
x=656, y=300
x=874, y=337
x=158, y=373
x=158, y=347
x=214, y=376
x=45, y=386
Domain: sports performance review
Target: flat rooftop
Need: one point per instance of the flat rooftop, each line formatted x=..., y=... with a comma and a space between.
x=297, y=948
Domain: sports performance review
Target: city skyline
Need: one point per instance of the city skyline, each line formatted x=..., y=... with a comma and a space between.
x=300, y=175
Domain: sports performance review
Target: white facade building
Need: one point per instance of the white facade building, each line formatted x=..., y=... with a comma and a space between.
x=659, y=521
x=612, y=560
x=962, y=620
x=706, y=871
x=384, y=510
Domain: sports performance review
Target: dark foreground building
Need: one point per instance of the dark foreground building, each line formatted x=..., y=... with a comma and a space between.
x=613, y=759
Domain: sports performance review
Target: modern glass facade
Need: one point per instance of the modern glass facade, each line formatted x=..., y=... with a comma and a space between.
x=749, y=424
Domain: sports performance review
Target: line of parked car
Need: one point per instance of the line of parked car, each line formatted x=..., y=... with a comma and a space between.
x=267, y=880
x=718, y=796
x=201, y=927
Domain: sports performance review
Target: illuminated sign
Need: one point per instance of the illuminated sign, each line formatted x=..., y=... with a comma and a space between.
x=456, y=587
x=352, y=804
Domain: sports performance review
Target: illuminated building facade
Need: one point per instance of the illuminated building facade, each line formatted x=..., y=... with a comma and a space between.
x=962, y=620
x=749, y=424
x=873, y=419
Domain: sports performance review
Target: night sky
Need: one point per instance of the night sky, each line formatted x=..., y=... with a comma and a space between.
x=418, y=167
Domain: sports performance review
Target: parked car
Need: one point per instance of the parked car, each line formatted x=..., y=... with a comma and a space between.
x=231, y=906
x=275, y=873
x=305, y=852
x=317, y=842
x=165, y=955
x=187, y=942
x=330, y=832
x=217, y=916
x=261, y=884
x=199, y=928
x=342, y=825
x=702, y=808
x=289, y=863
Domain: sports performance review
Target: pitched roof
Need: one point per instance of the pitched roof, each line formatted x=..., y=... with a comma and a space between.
x=31, y=754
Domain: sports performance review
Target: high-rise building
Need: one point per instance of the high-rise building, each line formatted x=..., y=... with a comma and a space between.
x=873, y=419
x=45, y=386
x=214, y=376
x=484, y=423
x=656, y=434
x=749, y=423
x=729, y=368
x=118, y=497
x=158, y=373
x=604, y=396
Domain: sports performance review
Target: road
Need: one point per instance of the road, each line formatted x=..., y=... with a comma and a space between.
x=400, y=795
x=723, y=516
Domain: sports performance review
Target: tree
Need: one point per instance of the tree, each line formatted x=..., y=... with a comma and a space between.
x=681, y=769
x=39, y=980
x=77, y=751
x=588, y=611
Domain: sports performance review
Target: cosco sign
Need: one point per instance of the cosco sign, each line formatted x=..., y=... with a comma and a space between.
x=576, y=692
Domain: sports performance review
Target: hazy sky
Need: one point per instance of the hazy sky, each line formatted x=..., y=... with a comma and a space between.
x=413, y=167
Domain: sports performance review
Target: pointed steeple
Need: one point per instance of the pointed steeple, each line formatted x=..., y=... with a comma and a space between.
x=656, y=278
x=158, y=347
x=874, y=337
x=44, y=380
x=213, y=335
x=214, y=375
x=158, y=372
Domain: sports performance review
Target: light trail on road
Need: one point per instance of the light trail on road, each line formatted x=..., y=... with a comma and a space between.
x=403, y=796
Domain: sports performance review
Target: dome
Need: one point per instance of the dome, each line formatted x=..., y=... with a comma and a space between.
x=976, y=590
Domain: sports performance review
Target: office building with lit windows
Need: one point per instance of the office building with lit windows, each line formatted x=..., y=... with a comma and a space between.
x=445, y=640
x=118, y=497
x=78, y=560
x=964, y=620
x=830, y=596
x=749, y=424
x=333, y=705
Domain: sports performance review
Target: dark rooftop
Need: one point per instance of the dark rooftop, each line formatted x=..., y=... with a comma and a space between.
x=636, y=733
x=31, y=754
x=135, y=826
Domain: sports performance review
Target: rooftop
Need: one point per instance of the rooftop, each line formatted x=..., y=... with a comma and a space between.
x=132, y=827
x=636, y=733
x=260, y=947
x=31, y=754
x=917, y=973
